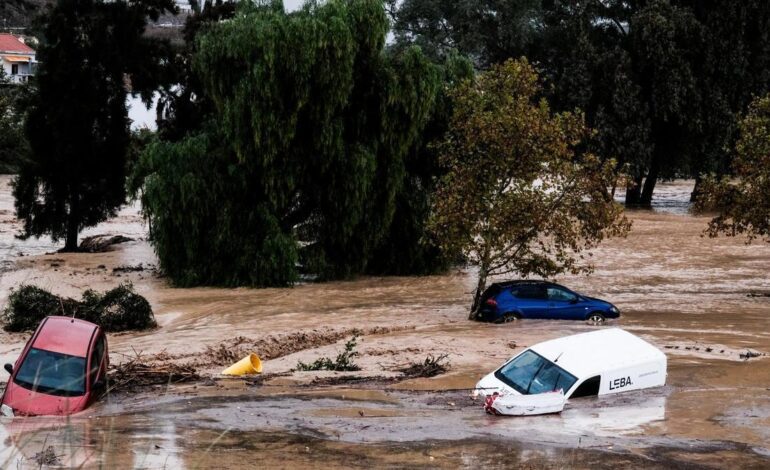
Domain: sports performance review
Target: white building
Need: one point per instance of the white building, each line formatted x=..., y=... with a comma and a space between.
x=16, y=58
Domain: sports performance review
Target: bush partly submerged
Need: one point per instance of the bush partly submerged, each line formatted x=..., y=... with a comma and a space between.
x=344, y=361
x=119, y=309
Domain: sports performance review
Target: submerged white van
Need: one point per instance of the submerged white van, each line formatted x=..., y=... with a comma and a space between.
x=596, y=363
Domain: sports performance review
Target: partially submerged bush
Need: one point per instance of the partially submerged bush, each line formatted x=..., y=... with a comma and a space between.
x=119, y=309
x=28, y=305
x=344, y=361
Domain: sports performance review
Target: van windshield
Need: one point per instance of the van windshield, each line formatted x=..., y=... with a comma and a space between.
x=52, y=373
x=530, y=373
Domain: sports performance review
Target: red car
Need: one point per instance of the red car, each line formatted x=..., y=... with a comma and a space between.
x=62, y=369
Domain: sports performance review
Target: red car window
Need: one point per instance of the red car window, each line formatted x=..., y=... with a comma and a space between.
x=52, y=373
x=96, y=358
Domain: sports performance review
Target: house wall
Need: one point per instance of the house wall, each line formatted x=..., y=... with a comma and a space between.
x=25, y=68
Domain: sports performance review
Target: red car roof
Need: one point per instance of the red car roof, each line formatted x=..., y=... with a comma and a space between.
x=65, y=335
x=10, y=43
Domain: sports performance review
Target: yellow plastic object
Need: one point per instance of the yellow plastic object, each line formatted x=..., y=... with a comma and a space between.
x=246, y=366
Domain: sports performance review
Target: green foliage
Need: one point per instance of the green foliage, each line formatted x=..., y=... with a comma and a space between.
x=662, y=82
x=77, y=121
x=14, y=148
x=119, y=309
x=488, y=31
x=744, y=203
x=207, y=224
x=517, y=197
x=408, y=247
x=305, y=155
x=343, y=362
x=183, y=107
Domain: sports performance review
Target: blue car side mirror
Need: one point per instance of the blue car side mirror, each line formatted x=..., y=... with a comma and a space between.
x=575, y=300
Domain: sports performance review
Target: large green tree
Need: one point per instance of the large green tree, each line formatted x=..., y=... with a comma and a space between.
x=518, y=196
x=93, y=52
x=303, y=159
x=743, y=202
x=661, y=81
x=487, y=31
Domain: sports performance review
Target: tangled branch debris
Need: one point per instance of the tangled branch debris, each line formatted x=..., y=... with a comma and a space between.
x=119, y=309
x=275, y=346
x=137, y=373
x=430, y=367
x=750, y=355
x=46, y=457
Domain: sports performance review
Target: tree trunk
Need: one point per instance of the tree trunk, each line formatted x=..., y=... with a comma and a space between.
x=649, y=184
x=480, y=286
x=71, y=244
x=696, y=190
x=634, y=192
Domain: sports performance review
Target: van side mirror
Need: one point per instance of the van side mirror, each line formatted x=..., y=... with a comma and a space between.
x=9, y=368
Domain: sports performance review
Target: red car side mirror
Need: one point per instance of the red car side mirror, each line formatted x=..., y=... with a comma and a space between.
x=9, y=368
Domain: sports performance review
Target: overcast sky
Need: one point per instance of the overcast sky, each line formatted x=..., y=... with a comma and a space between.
x=292, y=4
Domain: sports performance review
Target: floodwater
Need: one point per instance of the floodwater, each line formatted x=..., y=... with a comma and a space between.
x=687, y=294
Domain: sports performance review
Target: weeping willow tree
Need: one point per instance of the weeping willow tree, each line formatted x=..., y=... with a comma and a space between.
x=303, y=159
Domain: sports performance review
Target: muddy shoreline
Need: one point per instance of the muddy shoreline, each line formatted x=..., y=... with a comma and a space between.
x=687, y=294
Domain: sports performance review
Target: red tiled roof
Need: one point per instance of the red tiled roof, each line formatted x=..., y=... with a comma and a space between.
x=10, y=43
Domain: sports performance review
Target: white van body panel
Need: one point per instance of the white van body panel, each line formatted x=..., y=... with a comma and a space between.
x=624, y=362
x=527, y=405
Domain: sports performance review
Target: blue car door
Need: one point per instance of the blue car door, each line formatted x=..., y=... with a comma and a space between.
x=531, y=301
x=564, y=305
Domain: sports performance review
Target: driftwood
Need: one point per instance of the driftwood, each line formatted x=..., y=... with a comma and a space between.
x=430, y=367
x=101, y=243
x=136, y=373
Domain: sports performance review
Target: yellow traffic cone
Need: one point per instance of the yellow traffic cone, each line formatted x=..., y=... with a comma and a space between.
x=246, y=366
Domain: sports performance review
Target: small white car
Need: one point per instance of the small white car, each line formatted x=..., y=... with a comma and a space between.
x=597, y=363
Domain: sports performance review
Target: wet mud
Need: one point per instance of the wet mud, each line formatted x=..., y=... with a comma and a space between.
x=689, y=295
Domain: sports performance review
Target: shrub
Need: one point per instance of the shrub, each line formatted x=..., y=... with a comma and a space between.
x=28, y=305
x=344, y=361
x=119, y=309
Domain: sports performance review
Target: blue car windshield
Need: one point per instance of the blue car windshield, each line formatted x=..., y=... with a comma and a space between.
x=530, y=373
x=52, y=373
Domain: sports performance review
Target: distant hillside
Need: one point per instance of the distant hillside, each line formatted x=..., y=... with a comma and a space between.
x=20, y=13
x=16, y=15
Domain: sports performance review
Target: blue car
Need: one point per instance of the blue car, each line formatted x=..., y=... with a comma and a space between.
x=508, y=301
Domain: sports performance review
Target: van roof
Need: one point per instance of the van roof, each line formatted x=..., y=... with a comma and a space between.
x=589, y=354
x=65, y=335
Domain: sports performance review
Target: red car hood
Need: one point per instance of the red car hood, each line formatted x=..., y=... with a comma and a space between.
x=27, y=403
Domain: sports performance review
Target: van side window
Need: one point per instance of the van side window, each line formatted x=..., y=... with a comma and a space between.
x=589, y=388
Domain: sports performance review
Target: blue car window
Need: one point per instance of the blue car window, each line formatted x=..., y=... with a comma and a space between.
x=554, y=293
x=530, y=374
x=531, y=292
x=52, y=373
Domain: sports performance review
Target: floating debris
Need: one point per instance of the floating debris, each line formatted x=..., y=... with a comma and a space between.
x=430, y=367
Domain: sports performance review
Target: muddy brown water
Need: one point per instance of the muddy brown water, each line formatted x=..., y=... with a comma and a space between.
x=684, y=293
